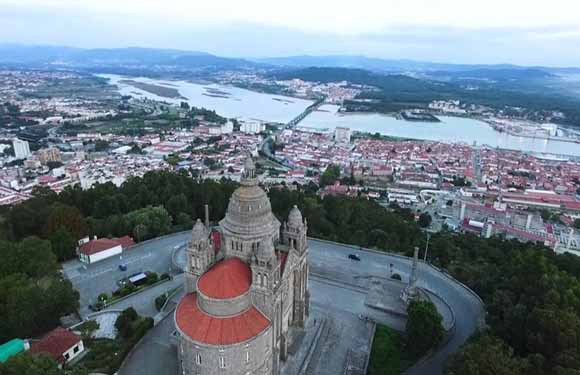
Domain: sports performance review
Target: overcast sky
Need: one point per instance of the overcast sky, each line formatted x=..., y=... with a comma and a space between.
x=526, y=32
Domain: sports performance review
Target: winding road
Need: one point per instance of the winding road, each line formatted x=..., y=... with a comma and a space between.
x=330, y=260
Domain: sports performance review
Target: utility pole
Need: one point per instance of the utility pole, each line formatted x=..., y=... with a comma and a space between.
x=426, y=247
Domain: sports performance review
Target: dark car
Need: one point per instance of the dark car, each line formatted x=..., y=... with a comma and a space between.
x=354, y=257
x=123, y=267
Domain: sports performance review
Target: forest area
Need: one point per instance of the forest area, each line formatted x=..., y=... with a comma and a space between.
x=531, y=294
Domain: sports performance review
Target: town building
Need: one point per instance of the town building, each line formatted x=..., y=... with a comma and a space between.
x=342, y=135
x=91, y=251
x=60, y=344
x=21, y=148
x=46, y=155
x=247, y=288
x=252, y=127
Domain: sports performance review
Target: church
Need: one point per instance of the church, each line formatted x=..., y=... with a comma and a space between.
x=246, y=286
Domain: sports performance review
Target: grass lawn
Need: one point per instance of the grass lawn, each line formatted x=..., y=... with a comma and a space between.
x=388, y=356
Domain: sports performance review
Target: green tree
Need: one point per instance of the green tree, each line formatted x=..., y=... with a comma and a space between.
x=330, y=175
x=184, y=221
x=173, y=159
x=32, y=256
x=67, y=217
x=485, y=355
x=149, y=222
x=124, y=322
x=177, y=204
x=424, y=327
x=30, y=364
x=425, y=220
x=63, y=244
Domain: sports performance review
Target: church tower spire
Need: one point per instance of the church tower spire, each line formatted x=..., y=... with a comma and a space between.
x=200, y=255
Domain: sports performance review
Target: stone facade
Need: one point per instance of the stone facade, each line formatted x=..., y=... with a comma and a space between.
x=245, y=295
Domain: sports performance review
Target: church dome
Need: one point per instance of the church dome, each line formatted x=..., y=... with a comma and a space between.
x=227, y=279
x=249, y=211
x=295, y=217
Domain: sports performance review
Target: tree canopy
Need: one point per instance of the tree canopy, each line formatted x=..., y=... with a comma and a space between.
x=424, y=327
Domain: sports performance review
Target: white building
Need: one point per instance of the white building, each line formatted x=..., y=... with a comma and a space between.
x=60, y=344
x=252, y=127
x=21, y=148
x=342, y=135
x=91, y=251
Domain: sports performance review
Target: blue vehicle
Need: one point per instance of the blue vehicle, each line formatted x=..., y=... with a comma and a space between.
x=122, y=267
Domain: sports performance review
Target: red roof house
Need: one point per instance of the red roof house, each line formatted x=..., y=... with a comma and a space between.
x=62, y=345
x=102, y=248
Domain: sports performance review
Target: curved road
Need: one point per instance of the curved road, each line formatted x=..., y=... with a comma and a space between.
x=331, y=260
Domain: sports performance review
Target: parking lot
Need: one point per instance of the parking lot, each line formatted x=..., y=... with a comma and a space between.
x=102, y=277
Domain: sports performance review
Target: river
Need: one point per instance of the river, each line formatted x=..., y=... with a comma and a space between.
x=450, y=129
x=227, y=101
x=233, y=102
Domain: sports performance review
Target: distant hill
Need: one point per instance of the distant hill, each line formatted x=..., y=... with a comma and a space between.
x=393, y=82
x=498, y=74
x=138, y=59
x=403, y=66
x=142, y=60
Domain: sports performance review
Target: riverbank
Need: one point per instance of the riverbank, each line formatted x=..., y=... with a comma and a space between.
x=162, y=91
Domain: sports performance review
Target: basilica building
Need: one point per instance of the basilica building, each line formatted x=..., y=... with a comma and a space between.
x=246, y=284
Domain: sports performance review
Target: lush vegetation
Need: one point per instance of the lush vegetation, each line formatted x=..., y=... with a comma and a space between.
x=330, y=175
x=28, y=364
x=106, y=355
x=388, y=356
x=424, y=327
x=33, y=295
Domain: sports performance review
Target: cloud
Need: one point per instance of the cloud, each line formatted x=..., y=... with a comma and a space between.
x=443, y=30
x=333, y=16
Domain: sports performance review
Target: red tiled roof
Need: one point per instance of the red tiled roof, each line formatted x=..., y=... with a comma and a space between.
x=229, y=278
x=125, y=241
x=102, y=244
x=207, y=329
x=56, y=343
x=96, y=246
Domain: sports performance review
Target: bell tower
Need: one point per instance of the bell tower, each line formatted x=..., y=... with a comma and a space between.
x=295, y=237
x=200, y=255
x=294, y=231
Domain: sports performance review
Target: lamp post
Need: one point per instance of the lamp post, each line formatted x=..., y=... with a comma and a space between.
x=426, y=247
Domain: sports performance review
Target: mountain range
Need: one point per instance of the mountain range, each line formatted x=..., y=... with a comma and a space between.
x=171, y=59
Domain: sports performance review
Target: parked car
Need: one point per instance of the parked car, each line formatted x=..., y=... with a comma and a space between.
x=122, y=267
x=354, y=257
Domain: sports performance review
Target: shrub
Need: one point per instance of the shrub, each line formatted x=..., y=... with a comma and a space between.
x=124, y=325
x=160, y=301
